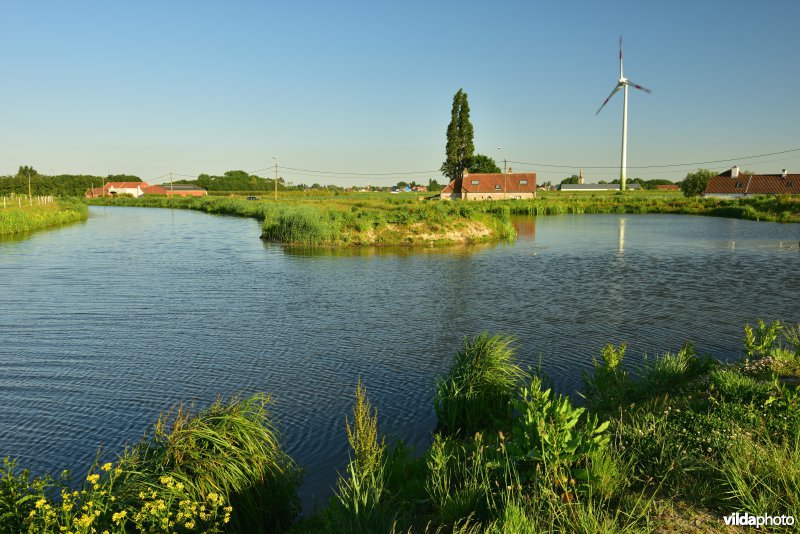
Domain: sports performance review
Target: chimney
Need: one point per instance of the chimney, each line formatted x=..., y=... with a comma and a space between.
x=735, y=171
x=466, y=172
x=510, y=171
x=784, y=173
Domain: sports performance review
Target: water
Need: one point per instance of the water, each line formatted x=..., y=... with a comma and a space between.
x=106, y=324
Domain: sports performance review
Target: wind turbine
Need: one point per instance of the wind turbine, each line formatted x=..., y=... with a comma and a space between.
x=623, y=83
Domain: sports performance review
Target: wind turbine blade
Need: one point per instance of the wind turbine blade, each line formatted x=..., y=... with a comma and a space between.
x=620, y=57
x=639, y=87
x=617, y=88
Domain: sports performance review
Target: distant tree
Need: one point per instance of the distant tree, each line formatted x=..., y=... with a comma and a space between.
x=602, y=182
x=652, y=184
x=696, y=182
x=482, y=164
x=402, y=185
x=460, y=146
x=27, y=170
x=434, y=185
x=574, y=179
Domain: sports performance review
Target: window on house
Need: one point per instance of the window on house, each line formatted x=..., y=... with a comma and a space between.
x=497, y=186
x=523, y=182
x=739, y=184
x=789, y=183
x=475, y=182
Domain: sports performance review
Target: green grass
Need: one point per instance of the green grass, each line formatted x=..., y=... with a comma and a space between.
x=767, y=208
x=16, y=219
x=479, y=386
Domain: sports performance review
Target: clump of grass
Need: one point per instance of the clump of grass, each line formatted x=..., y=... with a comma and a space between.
x=196, y=472
x=477, y=390
x=302, y=226
x=233, y=449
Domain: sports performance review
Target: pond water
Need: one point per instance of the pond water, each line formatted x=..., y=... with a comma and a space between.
x=106, y=324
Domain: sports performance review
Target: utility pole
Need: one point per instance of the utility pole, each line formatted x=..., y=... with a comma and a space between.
x=30, y=195
x=276, y=178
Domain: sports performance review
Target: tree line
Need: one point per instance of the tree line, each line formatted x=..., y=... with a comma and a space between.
x=70, y=185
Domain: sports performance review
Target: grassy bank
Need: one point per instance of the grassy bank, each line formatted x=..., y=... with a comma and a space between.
x=16, y=219
x=353, y=221
x=767, y=208
x=672, y=445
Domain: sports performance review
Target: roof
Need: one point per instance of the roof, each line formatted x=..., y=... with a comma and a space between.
x=154, y=190
x=499, y=183
x=597, y=187
x=665, y=187
x=756, y=184
x=181, y=187
x=124, y=185
x=495, y=183
x=95, y=192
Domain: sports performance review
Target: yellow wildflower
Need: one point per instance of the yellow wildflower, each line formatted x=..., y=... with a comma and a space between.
x=106, y=467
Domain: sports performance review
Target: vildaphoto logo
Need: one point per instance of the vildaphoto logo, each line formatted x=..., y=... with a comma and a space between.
x=758, y=521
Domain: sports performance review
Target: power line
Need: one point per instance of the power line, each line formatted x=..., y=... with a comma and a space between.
x=387, y=175
x=577, y=166
x=359, y=173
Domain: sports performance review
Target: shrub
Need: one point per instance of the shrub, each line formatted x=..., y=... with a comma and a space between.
x=549, y=439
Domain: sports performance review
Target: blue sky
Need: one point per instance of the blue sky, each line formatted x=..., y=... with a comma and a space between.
x=366, y=87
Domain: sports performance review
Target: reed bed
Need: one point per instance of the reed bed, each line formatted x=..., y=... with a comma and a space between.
x=18, y=219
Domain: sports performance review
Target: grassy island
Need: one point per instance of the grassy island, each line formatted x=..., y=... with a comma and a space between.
x=677, y=443
x=352, y=220
x=21, y=216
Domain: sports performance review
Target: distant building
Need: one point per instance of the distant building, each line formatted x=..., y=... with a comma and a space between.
x=420, y=188
x=666, y=187
x=597, y=187
x=491, y=186
x=138, y=189
x=183, y=190
x=732, y=184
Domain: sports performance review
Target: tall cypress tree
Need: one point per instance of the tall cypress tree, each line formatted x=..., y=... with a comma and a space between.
x=459, y=148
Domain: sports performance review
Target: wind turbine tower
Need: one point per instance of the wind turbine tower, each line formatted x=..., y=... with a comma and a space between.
x=623, y=83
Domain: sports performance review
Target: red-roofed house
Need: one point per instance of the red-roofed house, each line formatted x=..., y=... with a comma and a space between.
x=138, y=189
x=491, y=186
x=731, y=184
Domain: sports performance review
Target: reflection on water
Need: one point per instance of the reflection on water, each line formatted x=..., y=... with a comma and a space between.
x=369, y=251
x=108, y=323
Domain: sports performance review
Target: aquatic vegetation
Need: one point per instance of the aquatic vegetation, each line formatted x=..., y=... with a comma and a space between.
x=23, y=217
x=477, y=390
